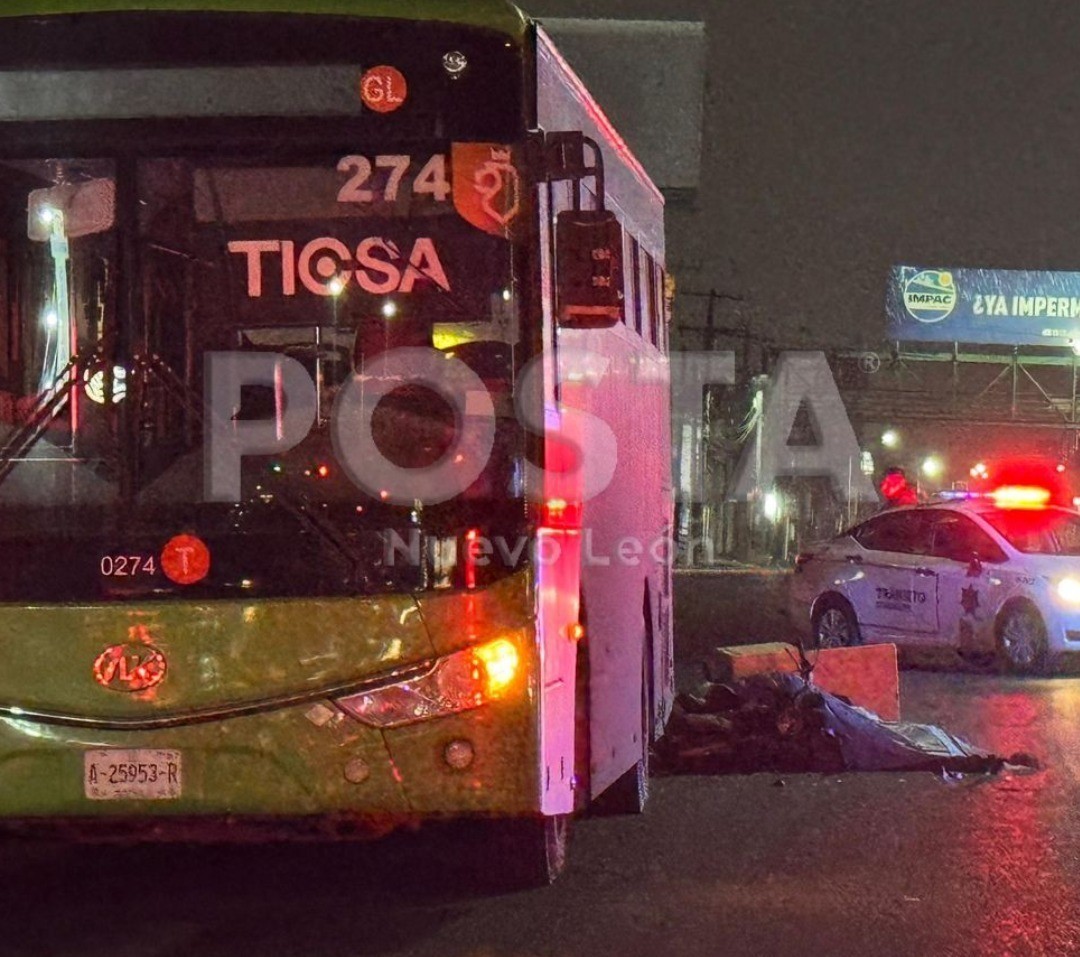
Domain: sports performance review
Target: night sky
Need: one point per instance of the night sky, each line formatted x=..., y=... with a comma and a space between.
x=842, y=137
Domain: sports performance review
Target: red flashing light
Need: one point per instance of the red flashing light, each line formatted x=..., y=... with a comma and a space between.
x=323, y=471
x=896, y=490
x=1048, y=477
x=1021, y=496
x=556, y=508
x=558, y=513
x=472, y=536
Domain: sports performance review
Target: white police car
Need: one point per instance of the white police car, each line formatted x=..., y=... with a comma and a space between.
x=1000, y=573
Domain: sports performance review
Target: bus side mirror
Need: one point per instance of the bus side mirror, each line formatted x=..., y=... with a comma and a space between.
x=589, y=269
x=79, y=209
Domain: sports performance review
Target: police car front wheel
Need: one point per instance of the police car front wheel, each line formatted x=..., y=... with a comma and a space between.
x=1022, y=640
x=835, y=624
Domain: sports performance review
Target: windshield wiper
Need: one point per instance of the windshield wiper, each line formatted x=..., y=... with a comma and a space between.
x=48, y=406
x=298, y=507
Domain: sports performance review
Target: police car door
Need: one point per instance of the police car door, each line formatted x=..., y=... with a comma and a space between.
x=898, y=592
x=968, y=586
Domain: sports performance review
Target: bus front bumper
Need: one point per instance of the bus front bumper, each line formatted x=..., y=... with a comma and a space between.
x=306, y=771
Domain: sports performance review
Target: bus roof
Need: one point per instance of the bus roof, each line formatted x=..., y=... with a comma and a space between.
x=499, y=15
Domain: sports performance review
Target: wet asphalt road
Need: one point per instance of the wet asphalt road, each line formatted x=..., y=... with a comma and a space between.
x=860, y=865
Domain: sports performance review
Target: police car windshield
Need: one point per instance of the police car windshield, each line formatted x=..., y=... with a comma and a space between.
x=1038, y=531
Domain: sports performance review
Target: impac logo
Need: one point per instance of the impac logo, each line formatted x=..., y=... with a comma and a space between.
x=930, y=295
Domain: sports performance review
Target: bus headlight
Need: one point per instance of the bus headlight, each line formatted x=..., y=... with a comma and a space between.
x=1068, y=590
x=459, y=682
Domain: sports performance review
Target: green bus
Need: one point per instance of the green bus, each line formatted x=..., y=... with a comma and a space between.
x=219, y=221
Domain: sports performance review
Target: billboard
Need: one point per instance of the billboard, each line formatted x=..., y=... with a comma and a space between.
x=1012, y=307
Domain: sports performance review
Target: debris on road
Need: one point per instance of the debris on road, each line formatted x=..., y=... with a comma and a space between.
x=867, y=675
x=782, y=723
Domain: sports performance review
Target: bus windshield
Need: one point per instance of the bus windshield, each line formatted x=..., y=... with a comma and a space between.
x=121, y=276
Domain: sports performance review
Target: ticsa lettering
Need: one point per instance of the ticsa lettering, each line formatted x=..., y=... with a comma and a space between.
x=326, y=266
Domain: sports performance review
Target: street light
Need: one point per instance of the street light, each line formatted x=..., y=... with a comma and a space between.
x=933, y=467
x=890, y=438
x=772, y=506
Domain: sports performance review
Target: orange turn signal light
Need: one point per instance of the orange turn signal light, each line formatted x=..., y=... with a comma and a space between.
x=500, y=660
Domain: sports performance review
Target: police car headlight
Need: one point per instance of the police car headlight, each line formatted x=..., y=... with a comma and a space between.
x=1068, y=589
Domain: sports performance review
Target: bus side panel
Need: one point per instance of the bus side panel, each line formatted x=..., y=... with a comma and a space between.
x=627, y=527
x=558, y=582
x=625, y=532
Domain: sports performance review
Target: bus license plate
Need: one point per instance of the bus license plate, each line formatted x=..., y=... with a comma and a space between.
x=139, y=774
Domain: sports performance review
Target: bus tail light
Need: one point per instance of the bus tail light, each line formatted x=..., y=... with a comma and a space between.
x=559, y=514
x=459, y=682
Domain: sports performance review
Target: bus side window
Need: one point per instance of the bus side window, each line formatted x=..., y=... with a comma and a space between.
x=661, y=308
x=630, y=282
x=644, y=266
x=652, y=314
x=658, y=299
x=635, y=278
x=8, y=329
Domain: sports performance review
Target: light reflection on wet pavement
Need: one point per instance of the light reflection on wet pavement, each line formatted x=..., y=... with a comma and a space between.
x=857, y=864
x=1017, y=833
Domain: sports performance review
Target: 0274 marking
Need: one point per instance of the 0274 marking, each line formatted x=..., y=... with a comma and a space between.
x=127, y=566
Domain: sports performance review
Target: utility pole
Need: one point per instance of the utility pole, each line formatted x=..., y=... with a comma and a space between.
x=708, y=532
